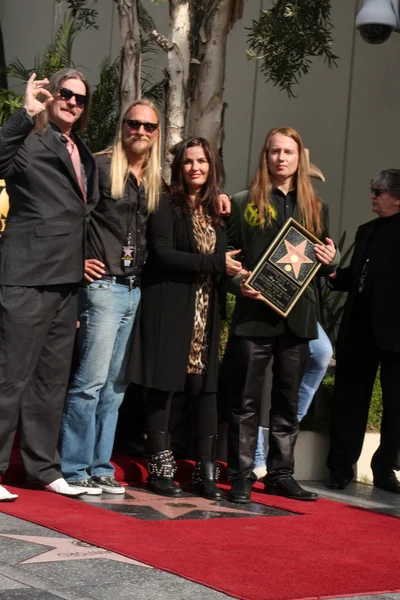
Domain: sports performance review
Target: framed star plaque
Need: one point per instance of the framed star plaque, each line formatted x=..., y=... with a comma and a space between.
x=286, y=268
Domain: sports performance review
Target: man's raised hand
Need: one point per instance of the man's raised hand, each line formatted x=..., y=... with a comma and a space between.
x=35, y=88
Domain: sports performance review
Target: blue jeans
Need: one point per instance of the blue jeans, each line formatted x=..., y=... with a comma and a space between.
x=319, y=355
x=259, y=459
x=107, y=314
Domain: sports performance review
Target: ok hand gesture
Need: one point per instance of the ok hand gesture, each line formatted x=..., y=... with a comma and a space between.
x=34, y=89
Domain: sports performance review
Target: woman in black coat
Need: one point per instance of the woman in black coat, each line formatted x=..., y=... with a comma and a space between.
x=175, y=347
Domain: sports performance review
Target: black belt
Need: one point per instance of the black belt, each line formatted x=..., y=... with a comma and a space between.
x=132, y=282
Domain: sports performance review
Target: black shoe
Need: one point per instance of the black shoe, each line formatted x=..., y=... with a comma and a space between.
x=205, y=477
x=241, y=490
x=387, y=481
x=289, y=488
x=209, y=490
x=108, y=484
x=338, y=480
x=91, y=488
x=164, y=486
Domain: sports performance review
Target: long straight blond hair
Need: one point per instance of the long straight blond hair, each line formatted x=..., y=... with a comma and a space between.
x=309, y=204
x=120, y=169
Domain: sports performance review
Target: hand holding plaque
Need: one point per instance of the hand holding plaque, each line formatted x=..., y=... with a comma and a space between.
x=286, y=268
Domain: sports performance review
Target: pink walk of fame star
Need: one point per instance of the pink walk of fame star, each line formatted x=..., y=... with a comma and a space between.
x=295, y=256
x=63, y=549
x=170, y=508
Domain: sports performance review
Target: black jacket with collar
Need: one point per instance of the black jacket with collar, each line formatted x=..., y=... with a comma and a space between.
x=254, y=318
x=43, y=243
x=384, y=300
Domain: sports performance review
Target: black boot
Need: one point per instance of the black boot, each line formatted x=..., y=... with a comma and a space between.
x=206, y=472
x=161, y=465
x=241, y=490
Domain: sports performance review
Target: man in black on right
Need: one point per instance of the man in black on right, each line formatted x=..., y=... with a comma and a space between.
x=369, y=337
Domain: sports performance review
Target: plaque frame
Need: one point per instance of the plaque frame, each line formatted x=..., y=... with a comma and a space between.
x=279, y=273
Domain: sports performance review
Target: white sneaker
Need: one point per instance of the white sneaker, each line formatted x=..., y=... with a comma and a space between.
x=60, y=486
x=260, y=472
x=6, y=496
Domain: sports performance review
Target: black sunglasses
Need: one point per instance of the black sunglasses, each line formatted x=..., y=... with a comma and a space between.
x=377, y=191
x=67, y=94
x=136, y=125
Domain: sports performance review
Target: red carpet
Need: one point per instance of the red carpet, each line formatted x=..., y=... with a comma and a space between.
x=331, y=549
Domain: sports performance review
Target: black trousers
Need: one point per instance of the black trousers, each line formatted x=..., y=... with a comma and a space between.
x=357, y=362
x=248, y=360
x=37, y=330
x=204, y=413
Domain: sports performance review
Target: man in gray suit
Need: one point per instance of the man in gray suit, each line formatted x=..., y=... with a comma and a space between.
x=52, y=185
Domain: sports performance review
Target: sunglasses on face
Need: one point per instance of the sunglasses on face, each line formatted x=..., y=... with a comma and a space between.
x=377, y=191
x=136, y=125
x=67, y=94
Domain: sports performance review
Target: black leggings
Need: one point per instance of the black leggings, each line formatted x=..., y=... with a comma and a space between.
x=203, y=408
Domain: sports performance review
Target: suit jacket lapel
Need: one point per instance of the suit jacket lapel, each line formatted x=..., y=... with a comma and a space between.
x=55, y=145
x=86, y=158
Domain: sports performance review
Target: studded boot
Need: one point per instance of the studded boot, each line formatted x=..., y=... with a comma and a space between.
x=161, y=465
x=206, y=472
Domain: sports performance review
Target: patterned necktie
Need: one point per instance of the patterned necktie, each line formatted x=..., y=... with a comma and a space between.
x=76, y=162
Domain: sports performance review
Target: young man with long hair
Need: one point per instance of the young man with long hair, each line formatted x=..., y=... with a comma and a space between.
x=52, y=184
x=129, y=185
x=281, y=189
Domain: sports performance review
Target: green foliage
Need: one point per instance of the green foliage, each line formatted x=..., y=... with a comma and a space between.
x=84, y=17
x=9, y=103
x=151, y=90
x=287, y=36
x=230, y=305
x=105, y=108
x=375, y=408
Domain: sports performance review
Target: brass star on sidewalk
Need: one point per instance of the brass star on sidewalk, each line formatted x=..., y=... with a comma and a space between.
x=295, y=256
x=169, y=507
x=68, y=549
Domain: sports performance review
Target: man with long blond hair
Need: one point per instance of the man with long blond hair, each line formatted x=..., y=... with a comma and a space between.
x=281, y=189
x=129, y=185
x=51, y=181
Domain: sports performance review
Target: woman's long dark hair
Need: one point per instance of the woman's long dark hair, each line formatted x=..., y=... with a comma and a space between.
x=209, y=192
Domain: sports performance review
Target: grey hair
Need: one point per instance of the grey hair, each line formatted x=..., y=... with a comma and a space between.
x=390, y=179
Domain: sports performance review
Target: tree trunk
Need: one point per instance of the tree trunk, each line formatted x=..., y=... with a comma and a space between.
x=178, y=74
x=131, y=54
x=206, y=107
